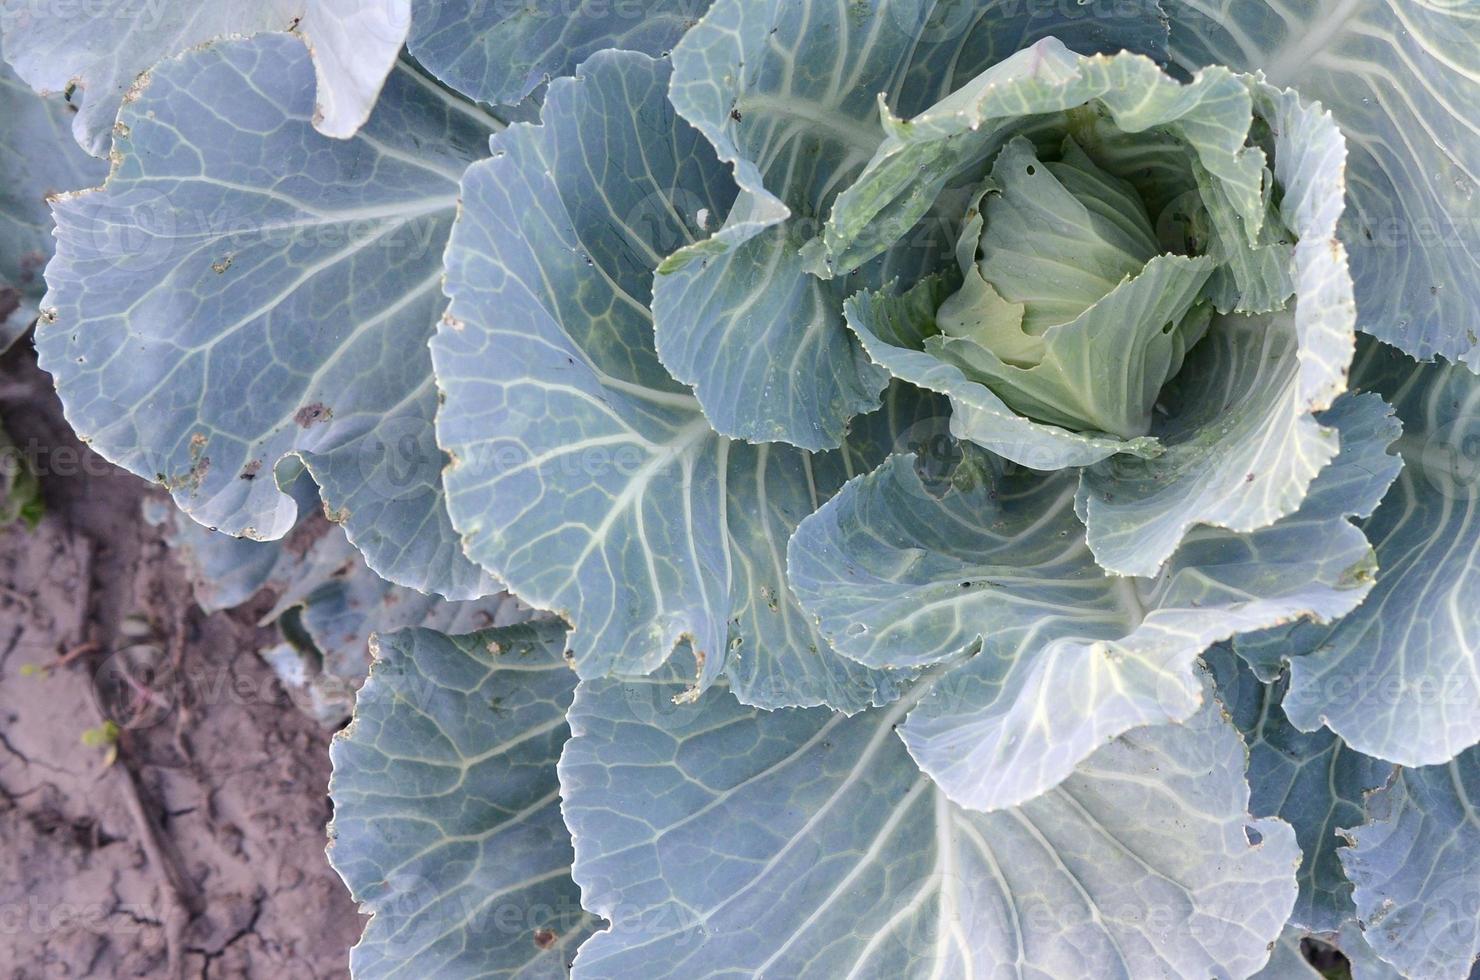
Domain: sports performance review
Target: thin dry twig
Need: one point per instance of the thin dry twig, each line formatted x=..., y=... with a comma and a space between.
x=77, y=652
x=182, y=900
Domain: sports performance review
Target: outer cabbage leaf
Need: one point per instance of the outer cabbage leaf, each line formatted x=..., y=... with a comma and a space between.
x=1401, y=79
x=1364, y=962
x=103, y=50
x=447, y=824
x=1312, y=780
x=1242, y=442
x=37, y=158
x=338, y=604
x=1064, y=657
x=225, y=571
x=327, y=602
x=582, y=473
x=1415, y=862
x=500, y=53
x=244, y=290
x=719, y=839
x=786, y=94
x=1399, y=678
x=1287, y=961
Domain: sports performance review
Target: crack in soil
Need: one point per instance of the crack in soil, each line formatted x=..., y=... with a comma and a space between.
x=235, y=787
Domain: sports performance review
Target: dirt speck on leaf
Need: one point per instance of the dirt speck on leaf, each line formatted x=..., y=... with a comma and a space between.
x=313, y=413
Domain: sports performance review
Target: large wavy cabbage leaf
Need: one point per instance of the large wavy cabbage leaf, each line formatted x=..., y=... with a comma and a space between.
x=447, y=824
x=718, y=839
x=1064, y=656
x=104, y=47
x=1399, y=678
x=583, y=475
x=1312, y=780
x=1415, y=862
x=38, y=158
x=500, y=53
x=245, y=290
x=1401, y=78
x=1287, y=961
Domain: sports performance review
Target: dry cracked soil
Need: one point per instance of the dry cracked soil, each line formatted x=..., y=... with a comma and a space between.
x=188, y=842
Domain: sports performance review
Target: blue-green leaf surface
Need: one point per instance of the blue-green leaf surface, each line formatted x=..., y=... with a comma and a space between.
x=738, y=317
x=1312, y=780
x=1363, y=959
x=1415, y=862
x=788, y=94
x=1401, y=78
x=502, y=52
x=329, y=604
x=38, y=157
x=582, y=473
x=1064, y=657
x=1287, y=961
x=244, y=289
x=103, y=47
x=722, y=841
x=225, y=571
x=1399, y=678
x=447, y=825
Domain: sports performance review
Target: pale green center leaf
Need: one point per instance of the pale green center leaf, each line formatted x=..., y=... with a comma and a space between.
x=1070, y=316
x=1060, y=235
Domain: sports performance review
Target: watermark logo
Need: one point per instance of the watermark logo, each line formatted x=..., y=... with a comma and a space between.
x=1450, y=459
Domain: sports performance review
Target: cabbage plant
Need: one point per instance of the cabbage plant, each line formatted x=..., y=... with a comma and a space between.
x=999, y=473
